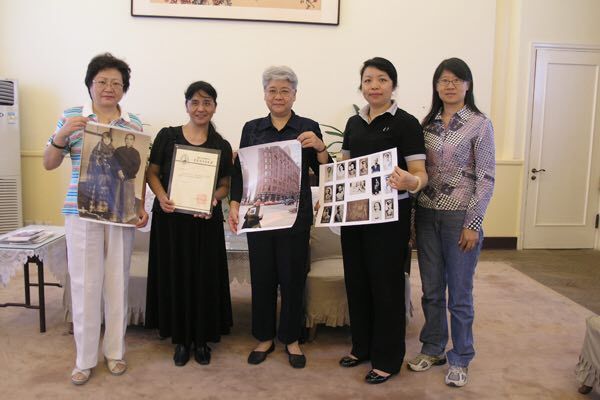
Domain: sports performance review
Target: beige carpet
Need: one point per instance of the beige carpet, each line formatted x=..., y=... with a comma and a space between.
x=528, y=338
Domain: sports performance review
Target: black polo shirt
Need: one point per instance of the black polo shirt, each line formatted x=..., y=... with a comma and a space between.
x=393, y=128
x=261, y=131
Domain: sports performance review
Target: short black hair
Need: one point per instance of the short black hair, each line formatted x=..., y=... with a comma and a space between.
x=130, y=134
x=381, y=64
x=207, y=88
x=105, y=61
x=200, y=86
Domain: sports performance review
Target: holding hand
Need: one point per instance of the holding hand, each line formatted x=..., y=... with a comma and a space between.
x=310, y=139
x=71, y=125
x=317, y=205
x=403, y=180
x=166, y=204
x=142, y=218
x=234, y=211
x=206, y=215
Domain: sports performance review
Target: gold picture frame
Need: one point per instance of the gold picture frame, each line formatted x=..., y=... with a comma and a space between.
x=325, y=12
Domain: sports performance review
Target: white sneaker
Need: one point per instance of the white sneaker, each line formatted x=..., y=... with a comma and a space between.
x=422, y=362
x=456, y=376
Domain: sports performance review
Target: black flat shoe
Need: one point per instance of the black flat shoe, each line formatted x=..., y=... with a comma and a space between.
x=374, y=378
x=256, y=357
x=349, y=362
x=181, y=356
x=296, y=360
x=202, y=354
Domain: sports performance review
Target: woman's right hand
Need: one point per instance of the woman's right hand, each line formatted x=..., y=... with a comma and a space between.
x=166, y=204
x=71, y=125
x=234, y=213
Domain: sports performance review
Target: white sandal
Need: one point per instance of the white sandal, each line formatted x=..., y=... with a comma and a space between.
x=80, y=376
x=116, y=367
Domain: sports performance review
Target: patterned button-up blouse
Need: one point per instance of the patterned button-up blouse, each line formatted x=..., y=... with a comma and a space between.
x=461, y=165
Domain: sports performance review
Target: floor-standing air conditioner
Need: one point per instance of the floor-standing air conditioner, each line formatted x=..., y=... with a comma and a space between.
x=11, y=212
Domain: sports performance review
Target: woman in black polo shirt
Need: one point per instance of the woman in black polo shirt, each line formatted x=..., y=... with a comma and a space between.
x=278, y=257
x=375, y=286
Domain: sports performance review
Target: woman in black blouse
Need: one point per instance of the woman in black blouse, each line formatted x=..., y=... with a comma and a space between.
x=188, y=295
x=374, y=284
x=278, y=257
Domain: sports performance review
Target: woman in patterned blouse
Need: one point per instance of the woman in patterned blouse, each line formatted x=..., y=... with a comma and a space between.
x=460, y=163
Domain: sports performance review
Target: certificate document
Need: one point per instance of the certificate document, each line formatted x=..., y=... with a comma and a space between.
x=193, y=178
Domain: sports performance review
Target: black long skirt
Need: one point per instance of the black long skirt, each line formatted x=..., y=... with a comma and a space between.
x=188, y=296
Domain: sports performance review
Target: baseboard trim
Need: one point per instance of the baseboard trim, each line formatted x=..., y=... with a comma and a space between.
x=500, y=243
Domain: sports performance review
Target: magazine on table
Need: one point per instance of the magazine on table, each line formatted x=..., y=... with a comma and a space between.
x=27, y=236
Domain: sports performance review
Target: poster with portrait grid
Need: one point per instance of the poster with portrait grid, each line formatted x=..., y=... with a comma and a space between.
x=357, y=191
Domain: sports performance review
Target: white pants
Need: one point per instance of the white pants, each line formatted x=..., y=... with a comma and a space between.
x=98, y=260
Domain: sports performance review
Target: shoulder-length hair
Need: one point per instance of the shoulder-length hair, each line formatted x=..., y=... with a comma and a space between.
x=462, y=71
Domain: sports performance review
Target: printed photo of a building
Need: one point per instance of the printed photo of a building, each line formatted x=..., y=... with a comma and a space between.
x=278, y=176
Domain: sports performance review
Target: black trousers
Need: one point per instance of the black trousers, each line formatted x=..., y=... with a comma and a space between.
x=374, y=258
x=278, y=258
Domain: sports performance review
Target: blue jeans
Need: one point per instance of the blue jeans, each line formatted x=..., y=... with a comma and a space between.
x=442, y=263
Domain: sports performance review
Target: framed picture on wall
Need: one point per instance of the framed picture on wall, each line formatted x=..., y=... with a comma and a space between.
x=301, y=11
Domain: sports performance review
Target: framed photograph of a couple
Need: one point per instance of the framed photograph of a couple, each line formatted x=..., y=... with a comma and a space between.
x=325, y=12
x=111, y=175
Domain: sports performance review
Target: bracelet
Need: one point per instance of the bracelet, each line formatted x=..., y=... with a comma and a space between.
x=57, y=146
x=418, y=185
x=324, y=149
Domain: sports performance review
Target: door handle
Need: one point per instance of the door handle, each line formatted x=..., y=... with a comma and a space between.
x=535, y=171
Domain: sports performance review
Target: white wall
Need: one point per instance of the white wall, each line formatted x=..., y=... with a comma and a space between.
x=574, y=22
x=47, y=45
x=520, y=24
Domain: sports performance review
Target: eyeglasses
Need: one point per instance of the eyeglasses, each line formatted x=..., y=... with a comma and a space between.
x=204, y=103
x=103, y=84
x=285, y=93
x=447, y=82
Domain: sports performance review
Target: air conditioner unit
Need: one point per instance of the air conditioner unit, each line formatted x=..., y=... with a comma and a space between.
x=11, y=211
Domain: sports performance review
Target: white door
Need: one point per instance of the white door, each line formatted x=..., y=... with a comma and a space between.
x=563, y=176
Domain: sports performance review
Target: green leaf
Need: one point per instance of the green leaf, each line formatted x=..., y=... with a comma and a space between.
x=333, y=127
x=332, y=133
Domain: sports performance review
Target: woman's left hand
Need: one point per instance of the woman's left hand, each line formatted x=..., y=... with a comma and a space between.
x=142, y=219
x=402, y=180
x=206, y=215
x=310, y=139
x=468, y=239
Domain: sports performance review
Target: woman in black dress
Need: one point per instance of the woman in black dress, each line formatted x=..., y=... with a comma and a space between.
x=188, y=295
